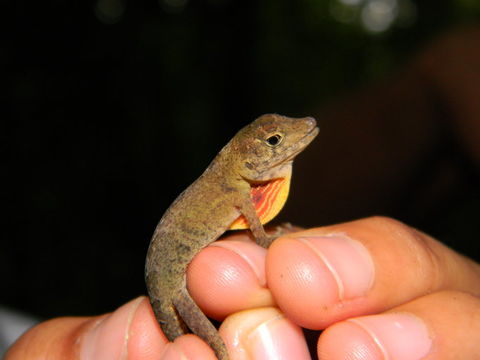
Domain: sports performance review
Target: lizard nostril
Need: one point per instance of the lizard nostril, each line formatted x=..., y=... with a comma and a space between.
x=311, y=121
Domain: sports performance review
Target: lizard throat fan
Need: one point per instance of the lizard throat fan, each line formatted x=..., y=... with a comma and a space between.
x=268, y=199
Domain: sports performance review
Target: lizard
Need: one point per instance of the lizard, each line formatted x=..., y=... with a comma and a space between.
x=244, y=187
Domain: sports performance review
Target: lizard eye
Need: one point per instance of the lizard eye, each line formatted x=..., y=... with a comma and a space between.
x=274, y=140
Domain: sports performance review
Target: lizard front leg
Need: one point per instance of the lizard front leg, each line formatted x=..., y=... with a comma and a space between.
x=261, y=237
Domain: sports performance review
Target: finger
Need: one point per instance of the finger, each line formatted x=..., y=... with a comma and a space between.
x=324, y=275
x=188, y=347
x=229, y=276
x=440, y=326
x=263, y=333
x=129, y=331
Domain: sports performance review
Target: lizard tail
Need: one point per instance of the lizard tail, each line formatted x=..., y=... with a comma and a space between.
x=162, y=283
x=164, y=310
x=198, y=323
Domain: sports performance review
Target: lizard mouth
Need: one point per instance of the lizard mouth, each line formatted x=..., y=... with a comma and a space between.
x=307, y=139
x=311, y=135
x=300, y=145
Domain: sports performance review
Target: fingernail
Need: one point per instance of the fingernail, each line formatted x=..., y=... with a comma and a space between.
x=251, y=257
x=276, y=338
x=108, y=337
x=264, y=334
x=347, y=261
x=173, y=352
x=398, y=336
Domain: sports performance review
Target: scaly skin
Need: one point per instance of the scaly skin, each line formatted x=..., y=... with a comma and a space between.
x=228, y=190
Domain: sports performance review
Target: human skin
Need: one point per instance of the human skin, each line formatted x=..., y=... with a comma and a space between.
x=408, y=281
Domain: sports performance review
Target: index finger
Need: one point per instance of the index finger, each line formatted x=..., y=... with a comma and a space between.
x=324, y=275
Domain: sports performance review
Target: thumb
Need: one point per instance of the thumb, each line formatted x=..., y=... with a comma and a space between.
x=130, y=332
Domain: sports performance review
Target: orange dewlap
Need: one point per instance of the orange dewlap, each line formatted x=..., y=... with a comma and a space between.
x=268, y=199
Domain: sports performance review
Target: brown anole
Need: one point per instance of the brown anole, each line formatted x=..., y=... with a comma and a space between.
x=244, y=187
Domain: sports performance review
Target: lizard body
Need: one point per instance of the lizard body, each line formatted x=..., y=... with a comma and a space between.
x=245, y=186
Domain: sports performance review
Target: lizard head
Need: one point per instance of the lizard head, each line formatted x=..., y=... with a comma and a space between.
x=266, y=148
x=263, y=153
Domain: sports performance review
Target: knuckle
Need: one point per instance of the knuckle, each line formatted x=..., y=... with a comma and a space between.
x=462, y=302
x=462, y=298
x=386, y=222
x=420, y=250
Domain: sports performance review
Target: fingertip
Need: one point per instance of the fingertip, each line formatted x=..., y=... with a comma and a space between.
x=192, y=347
x=251, y=253
x=347, y=341
x=107, y=337
x=145, y=338
x=401, y=336
x=317, y=280
x=297, y=281
x=229, y=277
x=263, y=333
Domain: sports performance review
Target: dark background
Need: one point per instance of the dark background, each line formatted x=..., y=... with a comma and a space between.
x=111, y=108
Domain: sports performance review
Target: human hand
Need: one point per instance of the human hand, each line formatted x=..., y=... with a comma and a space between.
x=380, y=289
x=423, y=295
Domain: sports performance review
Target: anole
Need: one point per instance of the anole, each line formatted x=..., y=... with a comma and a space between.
x=245, y=186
